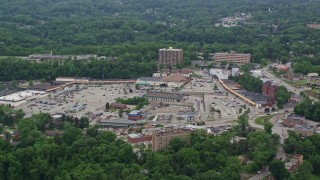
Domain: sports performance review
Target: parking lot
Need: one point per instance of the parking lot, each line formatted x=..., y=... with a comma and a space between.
x=79, y=100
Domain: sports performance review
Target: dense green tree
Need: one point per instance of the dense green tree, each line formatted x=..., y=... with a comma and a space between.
x=278, y=170
x=282, y=96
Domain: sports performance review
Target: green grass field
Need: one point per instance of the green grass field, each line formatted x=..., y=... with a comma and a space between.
x=296, y=83
x=314, y=177
x=194, y=75
x=263, y=119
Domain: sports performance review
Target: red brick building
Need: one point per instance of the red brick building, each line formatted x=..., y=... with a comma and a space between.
x=233, y=57
x=269, y=90
x=139, y=138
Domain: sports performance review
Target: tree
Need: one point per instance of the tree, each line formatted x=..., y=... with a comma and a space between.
x=83, y=122
x=282, y=96
x=30, y=83
x=120, y=113
x=303, y=172
x=278, y=170
x=215, y=87
x=176, y=144
x=268, y=127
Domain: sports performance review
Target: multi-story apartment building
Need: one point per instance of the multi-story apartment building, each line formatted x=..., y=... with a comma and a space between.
x=161, y=138
x=170, y=56
x=233, y=57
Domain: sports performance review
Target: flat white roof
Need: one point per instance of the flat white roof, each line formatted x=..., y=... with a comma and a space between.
x=19, y=96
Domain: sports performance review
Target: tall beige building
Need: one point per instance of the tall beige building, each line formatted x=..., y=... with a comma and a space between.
x=233, y=57
x=170, y=56
x=161, y=138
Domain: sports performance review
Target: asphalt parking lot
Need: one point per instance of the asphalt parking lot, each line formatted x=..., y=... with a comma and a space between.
x=79, y=100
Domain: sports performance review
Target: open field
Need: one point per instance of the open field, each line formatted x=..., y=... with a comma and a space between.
x=315, y=177
x=263, y=119
x=296, y=83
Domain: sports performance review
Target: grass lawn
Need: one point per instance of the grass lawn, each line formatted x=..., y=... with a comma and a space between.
x=314, y=177
x=296, y=83
x=194, y=75
x=263, y=119
x=313, y=92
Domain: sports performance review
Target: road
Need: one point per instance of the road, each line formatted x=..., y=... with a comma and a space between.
x=279, y=81
x=277, y=129
x=260, y=176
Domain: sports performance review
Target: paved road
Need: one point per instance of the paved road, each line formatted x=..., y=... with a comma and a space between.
x=260, y=176
x=288, y=86
x=277, y=129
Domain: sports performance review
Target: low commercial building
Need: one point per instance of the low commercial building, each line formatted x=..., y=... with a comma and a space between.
x=176, y=80
x=150, y=81
x=235, y=72
x=18, y=98
x=136, y=139
x=187, y=115
x=135, y=115
x=115, y=105
x=65, y=79
x=161, y=138
x=313, y=75
x=293, y=120
x=164, y=97
x=304, y=129
x=184, y=72
x=219, y=73
x=256, y=73
x=118, y=123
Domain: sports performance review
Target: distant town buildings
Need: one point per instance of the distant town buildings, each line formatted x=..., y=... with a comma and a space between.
x=313, y=26
x=233, y=21
x=161, y=138
x=170, y=56
x=238, y=58
x=48, y=57
x=268, y=89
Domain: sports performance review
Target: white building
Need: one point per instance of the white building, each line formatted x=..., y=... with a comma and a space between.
x=256, y=73
x=18, y=98
x=219, y=73
x=65, y=79
x=235, y=72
